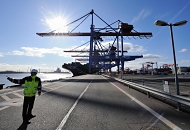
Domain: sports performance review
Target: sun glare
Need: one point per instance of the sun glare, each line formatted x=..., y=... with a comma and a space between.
x=57, y=24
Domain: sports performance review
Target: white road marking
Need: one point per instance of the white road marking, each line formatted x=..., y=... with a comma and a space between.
x=46, y=84
x=11, y=92
x=74, y=105
x=2, y=108
x=160, y=117
x=48, y=88
x=12, y=102
x=6, y=97
x=19, y=95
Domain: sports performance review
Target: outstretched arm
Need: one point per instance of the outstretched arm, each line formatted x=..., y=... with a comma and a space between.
x=16, y=81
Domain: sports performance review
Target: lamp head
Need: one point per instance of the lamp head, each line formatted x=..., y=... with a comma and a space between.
x=161, y=23
x=180, y=23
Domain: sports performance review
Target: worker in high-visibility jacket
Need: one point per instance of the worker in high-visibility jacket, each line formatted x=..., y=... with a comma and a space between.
x=32, y=84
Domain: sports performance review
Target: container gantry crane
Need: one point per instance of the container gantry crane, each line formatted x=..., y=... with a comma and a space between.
x=98, y=56
x=168, y=65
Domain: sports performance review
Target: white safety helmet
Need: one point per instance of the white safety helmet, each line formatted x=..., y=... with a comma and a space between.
x=34, y=71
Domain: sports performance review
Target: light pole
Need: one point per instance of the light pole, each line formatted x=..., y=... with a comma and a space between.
x=163, y=23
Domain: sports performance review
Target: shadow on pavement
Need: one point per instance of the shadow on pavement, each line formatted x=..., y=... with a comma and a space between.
x=23, y=126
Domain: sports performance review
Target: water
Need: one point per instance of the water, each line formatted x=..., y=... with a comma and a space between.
x=43, y=76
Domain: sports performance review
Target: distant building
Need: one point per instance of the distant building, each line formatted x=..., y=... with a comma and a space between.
x=58, y=70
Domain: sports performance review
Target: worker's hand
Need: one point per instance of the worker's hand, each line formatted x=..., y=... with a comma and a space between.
x=10, y=79
x=39, y=94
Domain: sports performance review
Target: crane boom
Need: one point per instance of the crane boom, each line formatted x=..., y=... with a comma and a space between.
x=141, y=34
x=89, y=51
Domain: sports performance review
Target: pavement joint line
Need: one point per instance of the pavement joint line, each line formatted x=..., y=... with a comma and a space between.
x=160, y=117
x=19, y=95
x=72, y=108
x=6, y=97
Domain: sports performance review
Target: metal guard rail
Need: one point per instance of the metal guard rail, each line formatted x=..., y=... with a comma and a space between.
x=176, y=98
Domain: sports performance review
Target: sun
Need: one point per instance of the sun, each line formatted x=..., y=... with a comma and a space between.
x=57, y=24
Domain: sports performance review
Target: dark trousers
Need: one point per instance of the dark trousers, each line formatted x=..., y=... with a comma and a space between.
x=27, y=107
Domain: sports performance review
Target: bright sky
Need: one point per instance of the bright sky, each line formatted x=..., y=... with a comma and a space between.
x=20, y=20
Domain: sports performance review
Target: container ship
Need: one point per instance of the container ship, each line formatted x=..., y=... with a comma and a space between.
x=79, y=69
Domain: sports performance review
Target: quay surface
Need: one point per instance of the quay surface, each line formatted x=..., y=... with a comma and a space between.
x=90, y=102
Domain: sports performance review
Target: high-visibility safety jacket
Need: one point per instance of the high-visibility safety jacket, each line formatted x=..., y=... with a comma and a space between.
x=31, y=85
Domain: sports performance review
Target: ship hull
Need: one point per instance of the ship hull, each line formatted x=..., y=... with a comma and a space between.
x=79, y=69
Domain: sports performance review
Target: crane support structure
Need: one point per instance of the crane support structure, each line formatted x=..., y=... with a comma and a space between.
x=99, y=56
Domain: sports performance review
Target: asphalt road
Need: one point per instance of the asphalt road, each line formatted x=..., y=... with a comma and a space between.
x=90, y=102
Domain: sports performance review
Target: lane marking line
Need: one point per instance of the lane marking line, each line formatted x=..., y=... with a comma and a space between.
x=160, y=117
x=6, y=97
x=19, y=95
x=72, y=108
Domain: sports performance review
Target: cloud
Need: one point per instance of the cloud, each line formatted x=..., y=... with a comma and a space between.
x=38, y=52
x=143, y=14
x=185, y=61
x=133, y=48
x=183, y=50
x=137, y=64
x=152, y=57
x=26, y=68
x=1, y=55
x=16, y=67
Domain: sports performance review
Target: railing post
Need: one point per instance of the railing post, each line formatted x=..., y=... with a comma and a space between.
x=143, y=82
x=148, y=94
x=178, y=106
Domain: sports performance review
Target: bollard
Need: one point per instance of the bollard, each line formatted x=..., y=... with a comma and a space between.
x=1, y=86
